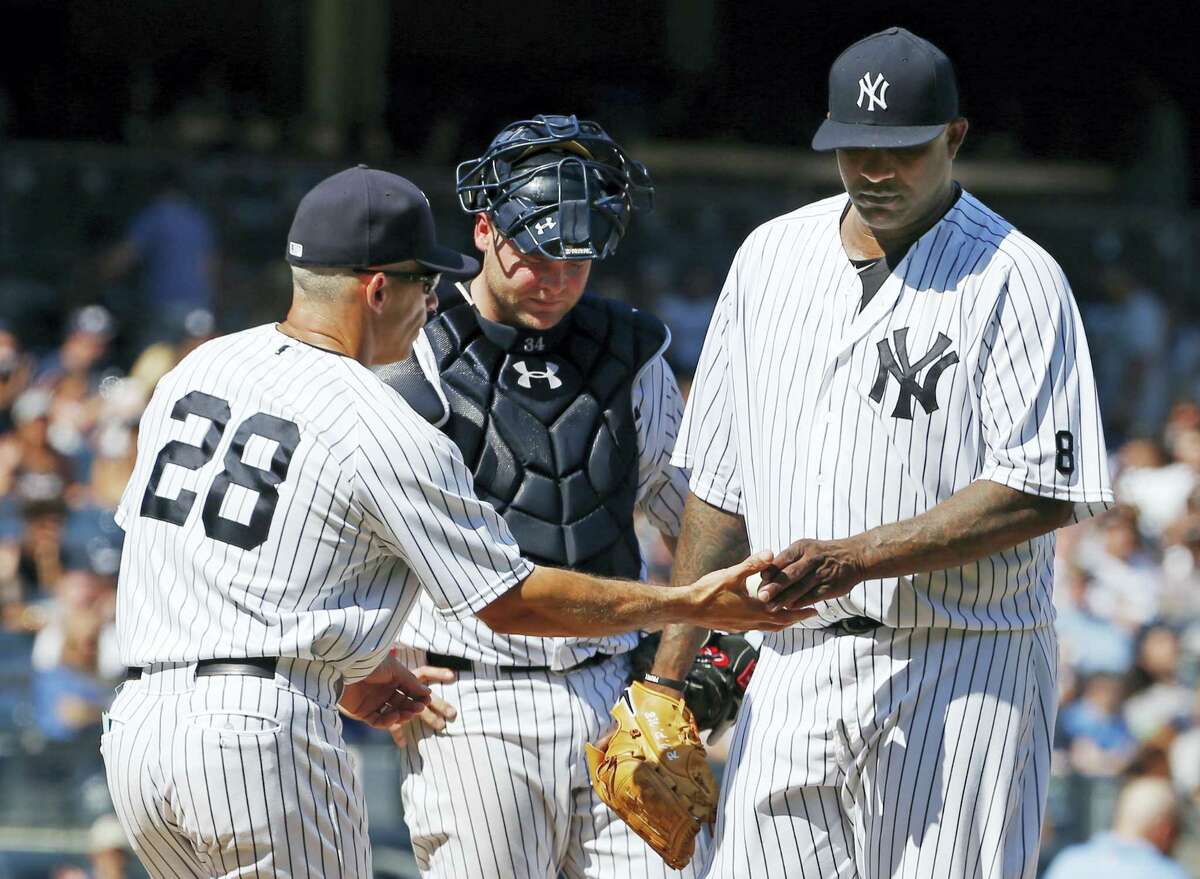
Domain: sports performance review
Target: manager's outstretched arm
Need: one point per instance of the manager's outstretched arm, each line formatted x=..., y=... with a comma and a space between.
x=557, y=602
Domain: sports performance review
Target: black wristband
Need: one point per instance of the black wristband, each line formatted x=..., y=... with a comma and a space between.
x=651, y=678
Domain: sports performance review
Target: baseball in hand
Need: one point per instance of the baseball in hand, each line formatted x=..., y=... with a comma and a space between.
x=752, y=584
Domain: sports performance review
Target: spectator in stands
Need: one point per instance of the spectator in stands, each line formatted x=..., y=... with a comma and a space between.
x=1158, y=488
x=16, y=368
x=1157, y=699
x=1184, y=415
x=1098, y=741
x=34, y=478
x=13, y=594
x=1181, y=572
x=1127, y=578
x=1130, y=335
x=1184, y=757
x=30, y=466
x=1089, y=643
x=90, y=530
x=108, y=848
x=687, y=310
x=69, y=696
x=84, y=352
x=173, y=241
x=68, y=871
x=197, y=327
x=39, y=560
x=83, y=593
x=1145, y=827
x=68, y=701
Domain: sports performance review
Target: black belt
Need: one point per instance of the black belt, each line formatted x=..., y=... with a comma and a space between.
x=853, y=626
x=457, y=663
x=253, y=666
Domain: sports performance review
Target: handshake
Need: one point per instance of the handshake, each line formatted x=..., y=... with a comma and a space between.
x=772, y=591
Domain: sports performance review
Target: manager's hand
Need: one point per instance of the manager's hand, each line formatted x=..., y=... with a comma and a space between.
x=388, y=696
x=720, y=600
x=439, y=712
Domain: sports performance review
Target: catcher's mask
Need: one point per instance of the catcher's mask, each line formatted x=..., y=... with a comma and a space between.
x=557, y=187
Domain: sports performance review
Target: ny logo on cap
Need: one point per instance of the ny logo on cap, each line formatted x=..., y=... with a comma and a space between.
x=543, y=226
x=874, y=92
x=549, y=375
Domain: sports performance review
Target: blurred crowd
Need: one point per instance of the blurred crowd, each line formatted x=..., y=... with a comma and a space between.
x=68, y=419
x=1127, y=587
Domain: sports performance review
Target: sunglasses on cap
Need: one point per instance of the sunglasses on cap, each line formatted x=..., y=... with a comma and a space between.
x=428, y=280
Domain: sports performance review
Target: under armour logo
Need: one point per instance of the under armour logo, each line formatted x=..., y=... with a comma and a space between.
x=897, y=364
x=549, y=374
x=544, y=226
x=874, y=92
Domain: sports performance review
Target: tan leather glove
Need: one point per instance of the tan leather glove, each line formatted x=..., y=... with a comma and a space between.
x=654, y=774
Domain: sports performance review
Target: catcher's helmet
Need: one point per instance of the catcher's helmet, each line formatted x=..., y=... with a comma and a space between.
x=556, y=186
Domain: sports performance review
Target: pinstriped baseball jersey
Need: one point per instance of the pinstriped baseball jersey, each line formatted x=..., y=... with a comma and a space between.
x=658, y=407
x=285, y=502
x=811, y=418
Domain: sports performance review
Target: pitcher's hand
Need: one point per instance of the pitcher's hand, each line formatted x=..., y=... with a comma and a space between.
x=810, y=571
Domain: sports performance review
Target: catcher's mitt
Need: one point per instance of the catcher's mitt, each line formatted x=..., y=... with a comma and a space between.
x=654, y=774
x=716, y=681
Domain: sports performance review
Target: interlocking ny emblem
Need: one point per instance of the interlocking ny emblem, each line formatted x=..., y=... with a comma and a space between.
x=550, y=374
x=897, y=364
x=874, y=92
x=543, y=226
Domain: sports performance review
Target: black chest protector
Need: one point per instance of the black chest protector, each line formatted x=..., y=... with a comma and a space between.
x=545, y=422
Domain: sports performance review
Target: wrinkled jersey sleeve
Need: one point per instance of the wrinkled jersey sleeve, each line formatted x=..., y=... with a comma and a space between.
x=1039, y=410
x=657, y=411
x=418, y=499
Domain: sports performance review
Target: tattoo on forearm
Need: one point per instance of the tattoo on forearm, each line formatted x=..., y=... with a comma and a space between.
x=709, y=539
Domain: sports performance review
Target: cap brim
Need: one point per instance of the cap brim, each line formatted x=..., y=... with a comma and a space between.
x=443, y=259
x=849, y=136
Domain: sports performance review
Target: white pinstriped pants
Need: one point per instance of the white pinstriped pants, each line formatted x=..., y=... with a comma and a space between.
x=234, y=776
x=914, y=753
x=503, y=792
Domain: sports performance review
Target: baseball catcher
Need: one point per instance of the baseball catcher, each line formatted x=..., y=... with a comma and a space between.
x=564, y=409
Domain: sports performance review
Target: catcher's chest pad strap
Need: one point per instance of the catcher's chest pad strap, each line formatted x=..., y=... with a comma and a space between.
x=407, y=379
x=545, y=423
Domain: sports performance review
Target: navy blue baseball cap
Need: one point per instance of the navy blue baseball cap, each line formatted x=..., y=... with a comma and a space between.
x=890, y=90
x=364, y=217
